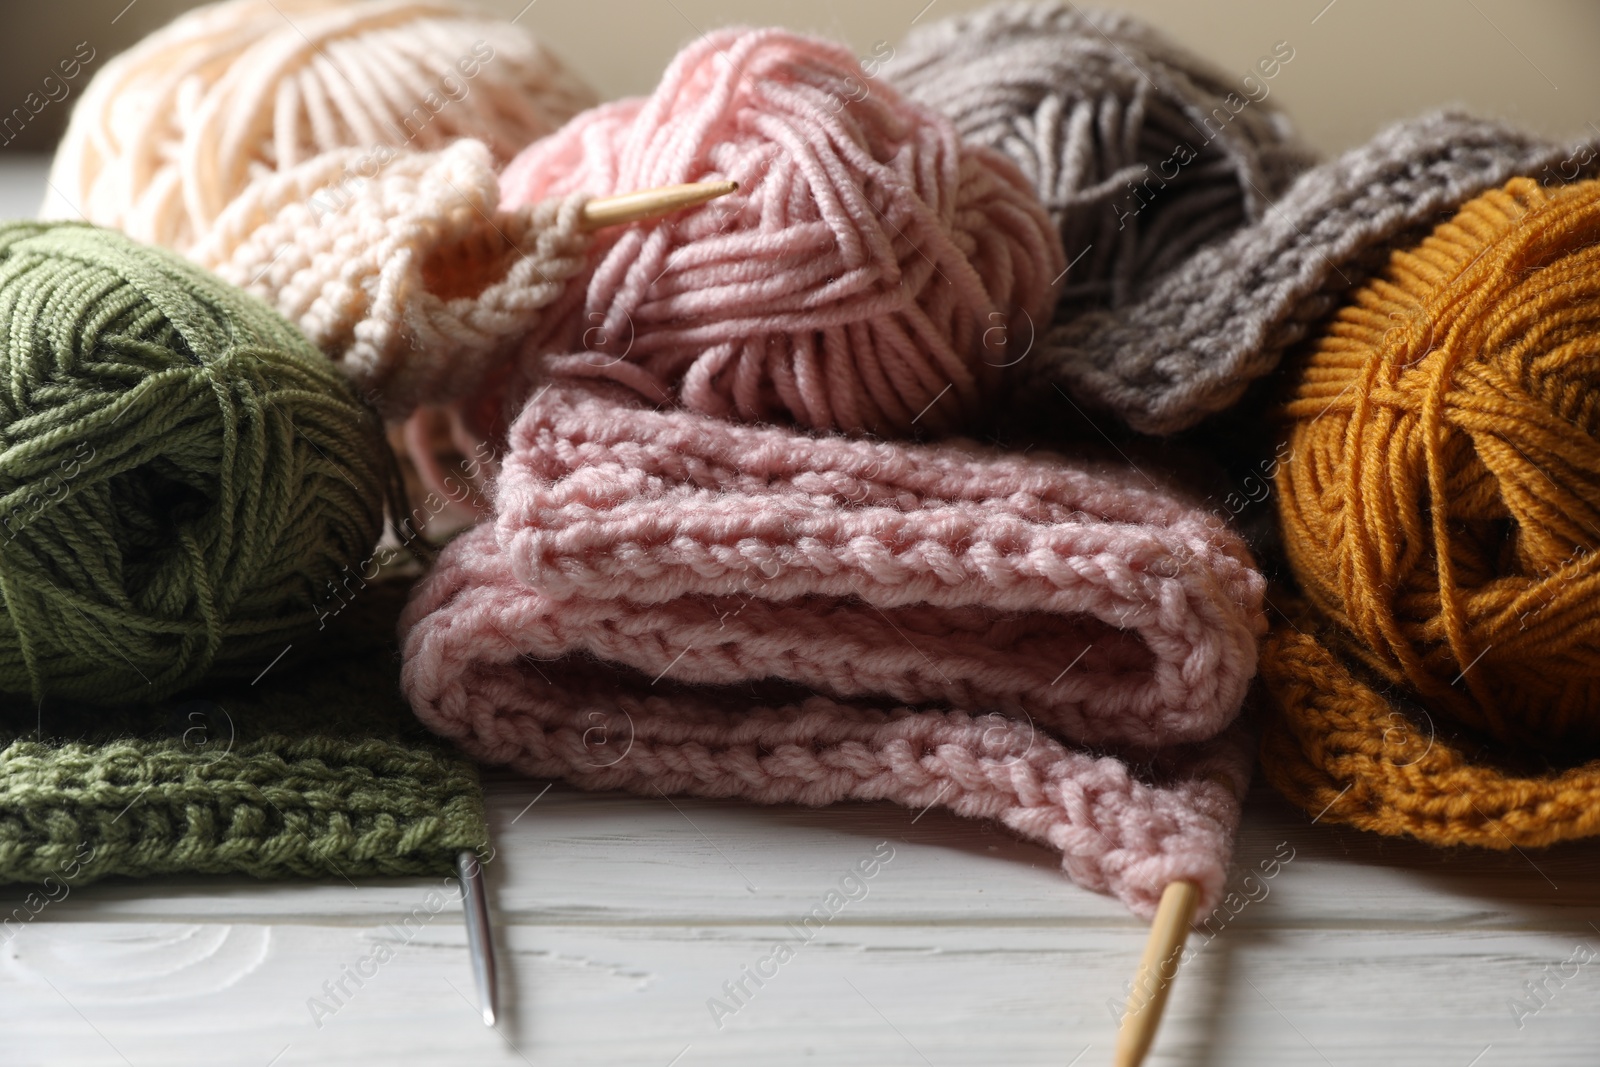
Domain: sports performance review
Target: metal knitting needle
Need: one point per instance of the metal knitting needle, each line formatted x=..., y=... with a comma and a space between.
x=475, y=906
x=1156, y=970
x=608, y=211
x=649, y=204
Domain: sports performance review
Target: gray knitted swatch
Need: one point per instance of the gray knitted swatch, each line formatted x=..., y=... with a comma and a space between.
x=1132, y=142
x=1194, y=343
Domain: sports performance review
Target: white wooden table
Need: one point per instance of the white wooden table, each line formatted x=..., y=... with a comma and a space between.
x=619, y=919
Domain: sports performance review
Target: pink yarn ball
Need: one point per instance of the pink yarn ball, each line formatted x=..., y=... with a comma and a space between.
x=872, y=273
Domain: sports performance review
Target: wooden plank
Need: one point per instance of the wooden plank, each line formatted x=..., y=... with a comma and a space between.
x=629, y=915
x=206, y=993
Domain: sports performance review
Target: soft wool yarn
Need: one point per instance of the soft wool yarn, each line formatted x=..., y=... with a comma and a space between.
x=170, y=132
x=1202, y=334
x=181, y=473
x=869, y=274
x=1439, y=509
x=314, y=772
x=1142, y=151
x=400, y=266
x=757, y=597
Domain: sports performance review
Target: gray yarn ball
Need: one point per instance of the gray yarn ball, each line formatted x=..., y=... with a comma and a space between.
x=1142, y=152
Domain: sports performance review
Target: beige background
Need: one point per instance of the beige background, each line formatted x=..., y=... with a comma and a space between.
x=1359, y=64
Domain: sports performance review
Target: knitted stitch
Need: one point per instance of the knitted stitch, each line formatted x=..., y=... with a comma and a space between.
x=869, y=274
x=688, y=547
x=400, y=266
x=309, y=773
x=1141, y=150
x=1439, y=508
x=181, y=473
x=168, y=133
x=719, y=570
x=1203, y=333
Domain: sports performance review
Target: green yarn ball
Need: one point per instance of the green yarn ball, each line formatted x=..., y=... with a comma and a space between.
x=181, y=472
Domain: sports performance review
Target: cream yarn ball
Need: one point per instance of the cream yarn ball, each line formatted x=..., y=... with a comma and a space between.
x=171, y=131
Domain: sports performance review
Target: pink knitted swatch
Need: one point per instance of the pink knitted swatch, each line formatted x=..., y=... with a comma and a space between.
x=720, y=553
x=871, y=273
x=722, y=571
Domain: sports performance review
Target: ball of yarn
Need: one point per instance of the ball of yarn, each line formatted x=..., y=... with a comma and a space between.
x=872, y=273
x=169, y=132
x=1440, y=506
x=1441, y=499
x=1141, y=150
x=182, y=475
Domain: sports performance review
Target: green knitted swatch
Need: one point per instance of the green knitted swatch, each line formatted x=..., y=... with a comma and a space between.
x=316, y=770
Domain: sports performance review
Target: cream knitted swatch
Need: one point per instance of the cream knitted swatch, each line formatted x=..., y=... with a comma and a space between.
x=411, y=280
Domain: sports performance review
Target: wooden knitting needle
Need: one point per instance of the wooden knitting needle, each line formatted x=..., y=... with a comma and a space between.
x=475, y=906
x=1156, y=971
x=650, y=203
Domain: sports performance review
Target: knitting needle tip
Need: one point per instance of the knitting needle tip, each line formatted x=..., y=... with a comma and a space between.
x=475, y=907
x=647, y=204
x=1157, y=968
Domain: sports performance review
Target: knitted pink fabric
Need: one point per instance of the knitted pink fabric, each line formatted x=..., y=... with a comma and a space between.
x=694, y=555
x=721, y=553
x=871, y=273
